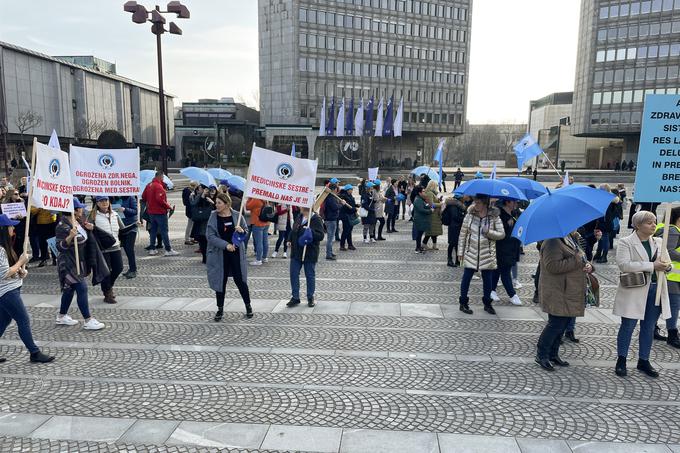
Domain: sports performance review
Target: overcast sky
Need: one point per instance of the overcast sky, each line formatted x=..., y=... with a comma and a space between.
x=521, y=49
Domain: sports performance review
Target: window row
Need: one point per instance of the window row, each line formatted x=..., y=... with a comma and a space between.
x=329, y=90
x=632, y=53
x=310, y=112
x=615, y=118
x=636, y=74
x=379, y=70
x=379, y=48
x=416, y=7
x=628, y=96
x=367, y=23
x=636, y=8
x=638, y=30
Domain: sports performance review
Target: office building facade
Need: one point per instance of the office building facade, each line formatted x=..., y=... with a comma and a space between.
x=311, y=49
x=627, y=49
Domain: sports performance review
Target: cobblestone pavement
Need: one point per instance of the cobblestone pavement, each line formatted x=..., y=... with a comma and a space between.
x=384, y=362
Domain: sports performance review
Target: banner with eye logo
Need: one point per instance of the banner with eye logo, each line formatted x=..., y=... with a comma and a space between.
x=281, y=178
x=113, y=172
x=51, y=182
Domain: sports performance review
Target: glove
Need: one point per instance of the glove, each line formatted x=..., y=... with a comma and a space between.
x=238, y=238
x=305, y=238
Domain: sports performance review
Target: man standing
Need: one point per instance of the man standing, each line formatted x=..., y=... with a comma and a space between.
x=331, y=213
x=458, y=178
x=305, y=239
x=158, y=209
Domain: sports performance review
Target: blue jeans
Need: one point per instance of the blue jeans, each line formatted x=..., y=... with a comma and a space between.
x=487, y=282
x=310, y=275
x=12, y=308
x=80, y=289
x=159, y=225
x=505, y=275
x=261, y=238
x=646, y=328
x=571, y=325
x=548, y=346
x=331, y=228
x=672, y=322
x=603, y=246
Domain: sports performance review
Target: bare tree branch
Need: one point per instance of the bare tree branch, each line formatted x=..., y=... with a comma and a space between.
x=25, y=121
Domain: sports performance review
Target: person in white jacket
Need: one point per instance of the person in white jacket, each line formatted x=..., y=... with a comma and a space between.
x=108, y=221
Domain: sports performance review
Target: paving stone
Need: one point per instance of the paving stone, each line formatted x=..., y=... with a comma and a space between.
x=98, y=429
x=527, y=445
x=20, y=424
x=616, y=447
x=303, y=438
x=232, y=435
x=421, y=310
x=149, y=432
x=367, y=440
x=457, y=443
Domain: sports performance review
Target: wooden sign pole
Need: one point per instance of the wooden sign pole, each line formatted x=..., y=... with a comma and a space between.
x=30, y=196
x=75, y=243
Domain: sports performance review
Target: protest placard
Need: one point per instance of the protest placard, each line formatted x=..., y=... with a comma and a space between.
x=281, y=178
x=13, y=210
x=105, y=171
x=373, y=173
x=51, y=184
x=657, y=177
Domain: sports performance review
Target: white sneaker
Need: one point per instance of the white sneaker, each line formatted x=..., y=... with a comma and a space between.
x=256, y=263
x=514, y=300
x=372, y=240
x=285, y=254
x=476, y=277
x=494, y=297
x=93, y=324
x=275, y=254
x=265, y=260
x=516, y=284
x=153, y=252
x=170, y=253
x=66, y=320
x=365, y=241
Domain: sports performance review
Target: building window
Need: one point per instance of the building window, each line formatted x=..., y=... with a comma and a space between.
x=597, y=98
x=303, y=111
x=303, y=15
x=303, y=64
x=599, y=58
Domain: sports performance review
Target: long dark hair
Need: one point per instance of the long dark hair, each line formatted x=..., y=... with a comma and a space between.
x=6, y=243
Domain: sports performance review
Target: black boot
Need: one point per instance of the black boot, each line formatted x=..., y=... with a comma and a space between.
x=673, y=339
x=219, y=315
x=310, y=301
x=545, y=364
x=657, y=334
x=559, y=362
x=620, y=369
x=488, y=308
x=293, y=302
x=39, y=357
x=2, y=360
x=450, y=263
x=647, y=368
x=249, y=311
x=570, y=336
x=464, y=306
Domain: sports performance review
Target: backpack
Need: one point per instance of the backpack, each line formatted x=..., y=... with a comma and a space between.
x=267, y=214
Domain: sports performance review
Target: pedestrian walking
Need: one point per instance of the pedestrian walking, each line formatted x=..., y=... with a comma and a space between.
x=226, y=257
x=606, y=226
x=348, y=217
x=283, y=225
x=430, y=194
x=331, y=214
x=639, y=257
x=453, y=217
x=259, y=210
x=305, y=239
x=187, y=192
x=368, y=208
x=13, y=272
x=392, y=206
x=158, y=209
x=673, y=248
x=202, y=206
x=45, y=222
x=108, y=224
x=422, y=216
x=507, y=254
x=482, y=227
x=72, y=279
x=458, y=178
x=562, y=288
x=402, y=195
x=128, y=234
x=379, y=203
x=13, y=196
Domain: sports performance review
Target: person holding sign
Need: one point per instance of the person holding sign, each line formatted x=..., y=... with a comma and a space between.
x=12, y=273
x=673, y=247
x=305, y=238
x=108, y=225
x=226, y=253
x=71, y=278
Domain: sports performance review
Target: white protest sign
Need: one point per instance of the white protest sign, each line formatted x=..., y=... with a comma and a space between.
x=373, y=173
x=51, y=181
x=13, y=210
x=105, y=171
x=281, y=178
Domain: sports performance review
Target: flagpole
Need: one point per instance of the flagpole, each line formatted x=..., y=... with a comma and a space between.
x=552, y=165
x=75, y=243
x=30, y=196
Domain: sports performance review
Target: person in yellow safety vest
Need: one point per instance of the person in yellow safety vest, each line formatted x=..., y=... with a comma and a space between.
x=673, y=277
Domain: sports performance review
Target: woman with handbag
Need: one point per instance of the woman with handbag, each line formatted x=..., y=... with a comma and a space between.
x=107, y=221
x=367, y=213
x=348, y=217
x=436, y=229
x=202, y=205
x=640, y=256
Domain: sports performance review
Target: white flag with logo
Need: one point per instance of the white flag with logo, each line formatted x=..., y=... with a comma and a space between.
x=51, y=181
x=112, y=172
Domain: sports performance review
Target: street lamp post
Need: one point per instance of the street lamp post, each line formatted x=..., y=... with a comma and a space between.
x=140, y=15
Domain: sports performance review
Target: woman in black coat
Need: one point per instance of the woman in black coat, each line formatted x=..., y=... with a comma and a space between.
x=455, y=219
x=348, y=212
x=507, y=254
x=202, y=205
x=369, y=221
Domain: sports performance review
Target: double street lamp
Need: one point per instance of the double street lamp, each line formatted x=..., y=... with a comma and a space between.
x=140, y=15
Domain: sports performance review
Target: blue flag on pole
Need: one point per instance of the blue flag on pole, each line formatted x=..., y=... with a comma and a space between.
x=388, y=127
x=526, y=149
x=349, y=122
x=368, y=128
x=438, y=156
x=330, y=125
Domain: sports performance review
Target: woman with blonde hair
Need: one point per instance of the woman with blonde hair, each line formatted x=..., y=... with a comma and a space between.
x=639, y=257
x=430, y=194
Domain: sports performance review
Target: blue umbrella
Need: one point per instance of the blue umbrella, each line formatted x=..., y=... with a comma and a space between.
x=530, y=188
x=561, y=212
x=424, y=169
x=494, y=188
x=237, y=182
x=219, y=173
x=199, y=175
x=145, y=177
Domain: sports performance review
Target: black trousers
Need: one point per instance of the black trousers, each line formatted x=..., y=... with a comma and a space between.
x=549, y=342
x=115, y=262
x=128, y=243
x=392, y=218
x=45, y=232
x=381, y=222
x=202, y=246
x=232, y=267
x=346, y=237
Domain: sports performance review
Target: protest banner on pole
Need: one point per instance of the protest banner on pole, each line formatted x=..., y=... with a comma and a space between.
x=13, y=210
x=112, y=172
x=373, y=173
x=281, y=178
x=30, y=195
x=657, y=176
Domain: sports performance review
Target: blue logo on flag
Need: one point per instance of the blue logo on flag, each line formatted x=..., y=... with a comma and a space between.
x=284, y=171
x=106, y=161
x=55, y=168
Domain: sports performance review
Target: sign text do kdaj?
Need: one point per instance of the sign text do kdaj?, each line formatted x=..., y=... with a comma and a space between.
x=52, y=180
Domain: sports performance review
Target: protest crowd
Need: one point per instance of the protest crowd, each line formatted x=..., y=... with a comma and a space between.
x=484, y=226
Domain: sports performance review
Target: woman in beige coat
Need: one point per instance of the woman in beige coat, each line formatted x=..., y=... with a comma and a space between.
x=482, y=227
x=562, y=292
x=430, y=194
x=640, y=252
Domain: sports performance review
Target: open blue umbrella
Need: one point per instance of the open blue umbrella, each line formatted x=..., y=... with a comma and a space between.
x=219, y=173
x=530, y=188
x=145, y=177
x=237, y=182
x=424, y=169
x=561, y=212
x=494, y=188
x=199, y=175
